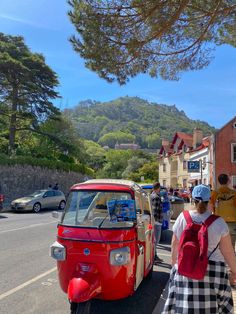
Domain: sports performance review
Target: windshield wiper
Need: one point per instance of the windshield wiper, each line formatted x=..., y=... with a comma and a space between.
x=103, y=220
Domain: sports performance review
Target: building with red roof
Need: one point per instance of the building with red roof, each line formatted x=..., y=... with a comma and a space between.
x=173, y=158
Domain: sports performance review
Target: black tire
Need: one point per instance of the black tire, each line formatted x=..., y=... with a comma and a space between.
x=62, y=205
x=37, y=207
x=80, y=308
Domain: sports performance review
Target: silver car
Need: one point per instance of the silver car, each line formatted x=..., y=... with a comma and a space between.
x=40, y=199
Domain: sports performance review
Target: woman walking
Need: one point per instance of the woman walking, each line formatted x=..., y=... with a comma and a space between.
x=212, y=294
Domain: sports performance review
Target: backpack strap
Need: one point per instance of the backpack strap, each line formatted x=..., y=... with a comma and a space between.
x=187, y=217
x=210, y=220
x=213, y=250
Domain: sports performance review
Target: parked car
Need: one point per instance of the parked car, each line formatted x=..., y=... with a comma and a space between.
x=148, y=187
x=185, y=194
x=39, y=200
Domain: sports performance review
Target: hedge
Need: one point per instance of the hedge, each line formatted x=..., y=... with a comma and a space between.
x=45, y=163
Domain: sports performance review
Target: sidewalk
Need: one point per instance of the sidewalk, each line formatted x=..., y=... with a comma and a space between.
x=163, y=251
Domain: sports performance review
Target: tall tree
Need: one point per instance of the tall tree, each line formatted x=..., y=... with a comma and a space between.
x=27, y=87
x=120, y=39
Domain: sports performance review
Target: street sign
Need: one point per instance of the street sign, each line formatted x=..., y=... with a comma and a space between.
x=194, y=166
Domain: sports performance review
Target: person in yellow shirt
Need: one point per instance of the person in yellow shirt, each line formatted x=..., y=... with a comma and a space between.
x=223, y=203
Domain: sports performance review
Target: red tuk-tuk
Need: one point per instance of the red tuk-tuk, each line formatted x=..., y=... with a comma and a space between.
x=105, y=239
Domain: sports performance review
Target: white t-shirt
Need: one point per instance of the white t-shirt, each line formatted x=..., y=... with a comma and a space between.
x=216, y=230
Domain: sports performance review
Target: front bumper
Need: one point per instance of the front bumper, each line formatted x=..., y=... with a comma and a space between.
x=21, y=207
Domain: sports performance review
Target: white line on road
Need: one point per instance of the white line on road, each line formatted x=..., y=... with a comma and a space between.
x=26, y=227
x=6, y=294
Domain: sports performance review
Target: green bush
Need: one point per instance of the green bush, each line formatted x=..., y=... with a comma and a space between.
x=45, y=163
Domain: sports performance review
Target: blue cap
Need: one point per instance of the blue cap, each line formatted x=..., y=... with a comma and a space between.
x=201, y=192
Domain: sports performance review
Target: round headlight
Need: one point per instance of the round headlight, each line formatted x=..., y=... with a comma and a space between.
x=119, y=258
x=58, y=251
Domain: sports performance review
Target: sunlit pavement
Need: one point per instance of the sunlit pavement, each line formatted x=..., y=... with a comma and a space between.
x=163, y=252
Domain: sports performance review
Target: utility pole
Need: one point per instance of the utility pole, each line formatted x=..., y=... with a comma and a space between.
x=201, y=169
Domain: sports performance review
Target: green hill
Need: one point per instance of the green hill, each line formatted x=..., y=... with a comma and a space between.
x=131, y=119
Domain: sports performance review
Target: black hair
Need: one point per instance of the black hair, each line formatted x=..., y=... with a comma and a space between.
x=223, y=178
x=200, y=205
x=156, y=185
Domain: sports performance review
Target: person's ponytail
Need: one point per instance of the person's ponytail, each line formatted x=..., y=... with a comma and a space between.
x=201, y=206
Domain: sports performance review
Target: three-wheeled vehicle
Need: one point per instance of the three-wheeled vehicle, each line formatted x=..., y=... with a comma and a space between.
x=105, y=243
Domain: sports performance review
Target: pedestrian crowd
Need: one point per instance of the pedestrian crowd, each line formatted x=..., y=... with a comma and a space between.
x=202, y=249
x=55, y=187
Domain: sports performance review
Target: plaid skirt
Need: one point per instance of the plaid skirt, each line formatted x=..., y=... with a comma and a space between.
x=212, y=294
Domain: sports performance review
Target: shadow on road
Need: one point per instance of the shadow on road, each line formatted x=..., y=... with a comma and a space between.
x=1, y=216
x=142, y=302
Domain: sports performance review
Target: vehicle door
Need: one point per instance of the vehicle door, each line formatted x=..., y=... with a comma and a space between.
x=49, y=199
x=148, y=227
x=144, y=235
x=57, y=198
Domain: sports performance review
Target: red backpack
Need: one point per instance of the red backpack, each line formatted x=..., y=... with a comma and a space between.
x=193, y=248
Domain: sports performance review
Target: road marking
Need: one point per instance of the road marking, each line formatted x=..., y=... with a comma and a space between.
x=27, y=283
x=26, y=227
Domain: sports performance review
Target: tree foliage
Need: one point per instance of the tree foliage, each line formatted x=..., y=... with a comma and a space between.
x=27, y=88
x=133, y=165
x=96, y=155
x=116, y=162
x=32, y=130
x=147, y=123
x=112, y=138
x=120, y=39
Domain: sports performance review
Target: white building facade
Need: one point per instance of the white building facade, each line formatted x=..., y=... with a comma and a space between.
x=205, y=162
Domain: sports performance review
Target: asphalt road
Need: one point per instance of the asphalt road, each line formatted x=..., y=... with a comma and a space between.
x=29, y=282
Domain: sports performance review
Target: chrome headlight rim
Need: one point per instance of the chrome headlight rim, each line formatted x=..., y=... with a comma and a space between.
x=120, y=256
x=58, y=251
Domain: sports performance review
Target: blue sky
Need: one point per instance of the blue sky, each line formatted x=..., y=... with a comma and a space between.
x=208, y=95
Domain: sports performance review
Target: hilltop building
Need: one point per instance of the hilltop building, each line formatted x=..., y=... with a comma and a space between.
x=127, y=146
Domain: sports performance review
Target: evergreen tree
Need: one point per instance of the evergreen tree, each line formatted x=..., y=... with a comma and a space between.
x=120, y=39
x=27, y=88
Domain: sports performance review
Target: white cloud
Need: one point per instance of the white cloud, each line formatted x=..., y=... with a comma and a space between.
x=26, y=22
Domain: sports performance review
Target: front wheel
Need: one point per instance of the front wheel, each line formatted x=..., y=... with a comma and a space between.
x=62, y=205
x=37, y=207
x=80, y=308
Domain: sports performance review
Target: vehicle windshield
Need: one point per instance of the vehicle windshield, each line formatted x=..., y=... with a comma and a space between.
x=36, y=193
x=99, y=209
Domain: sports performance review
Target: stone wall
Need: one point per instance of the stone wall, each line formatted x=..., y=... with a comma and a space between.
x=18, y=181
